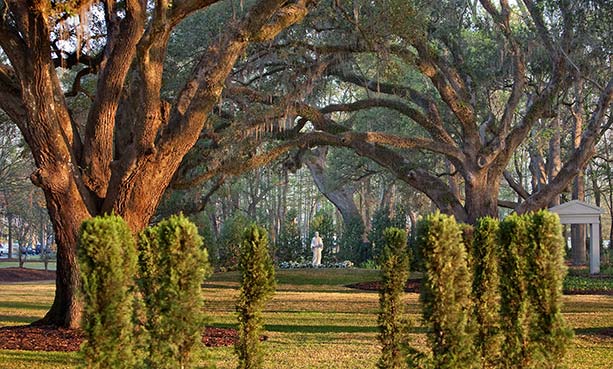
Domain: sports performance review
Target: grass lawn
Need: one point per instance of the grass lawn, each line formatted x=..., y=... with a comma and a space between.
x=312, y=322
x=33, y=263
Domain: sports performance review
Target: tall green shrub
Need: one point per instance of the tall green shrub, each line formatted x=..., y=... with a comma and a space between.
x=515, y=302
x=257, y=276
x=228, y=243
x=380, y=222
x=352, y=245
x=445, y=293
x=173, y=265
x=486, y=291
x=108, y=262
x=549, y=332
x=395, y=272
x=289, y=243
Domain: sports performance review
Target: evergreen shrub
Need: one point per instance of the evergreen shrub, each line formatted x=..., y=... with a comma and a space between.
x=486, y=291
x=546, y=270
x=108, y=263
x=257, y=277
x=352, y=245
x=394, y=263
x=515, y=303
x=173, y=265
x=289, y=244
x=445, y=292
x=228, y=243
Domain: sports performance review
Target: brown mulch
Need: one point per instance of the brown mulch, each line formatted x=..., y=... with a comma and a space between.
x=15, y=274
x=50, y=338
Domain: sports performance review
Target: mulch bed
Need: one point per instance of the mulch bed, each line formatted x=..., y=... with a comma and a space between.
x=25, y=275
x=50, y=338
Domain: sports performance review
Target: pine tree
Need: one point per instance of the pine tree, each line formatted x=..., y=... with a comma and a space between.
x=380, y=222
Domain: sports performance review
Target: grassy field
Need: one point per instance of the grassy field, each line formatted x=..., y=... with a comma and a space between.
x=312, y=322
x=33, y=263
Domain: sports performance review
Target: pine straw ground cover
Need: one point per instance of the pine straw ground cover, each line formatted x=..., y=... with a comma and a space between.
x=312, y=322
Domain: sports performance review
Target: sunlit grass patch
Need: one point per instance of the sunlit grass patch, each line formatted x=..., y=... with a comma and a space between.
x=12, y=359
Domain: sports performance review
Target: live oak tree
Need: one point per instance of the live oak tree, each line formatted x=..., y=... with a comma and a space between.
x=476, y=80
x=123, y=156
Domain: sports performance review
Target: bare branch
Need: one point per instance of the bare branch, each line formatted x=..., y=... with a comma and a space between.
x=578, y=159
x=432, y=121
x=400, y=142
x=508, y=204
x=182, y=8
x=539, y=22
x=516, y=186
x=10, y=97
x=454, y=94
x=76, y=84
x=436, y=189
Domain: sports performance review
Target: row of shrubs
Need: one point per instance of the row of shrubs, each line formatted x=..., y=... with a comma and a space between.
x=143, y=298
x=491, y=294
x=490, y=297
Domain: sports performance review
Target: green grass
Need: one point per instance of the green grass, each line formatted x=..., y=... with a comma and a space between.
x=315, y=277
x=312, y=322
x=33, y=263
x=581, y=283
x=579, y=279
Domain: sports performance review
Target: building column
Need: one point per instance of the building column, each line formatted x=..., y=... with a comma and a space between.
x=595, y=249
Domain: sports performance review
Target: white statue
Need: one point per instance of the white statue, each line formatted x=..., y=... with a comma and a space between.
x=316, y=246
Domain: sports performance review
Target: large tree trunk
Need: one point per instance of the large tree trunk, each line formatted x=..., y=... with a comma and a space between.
x=578, y=231
x=133, y=141
x=481, y=196
x=340, y=196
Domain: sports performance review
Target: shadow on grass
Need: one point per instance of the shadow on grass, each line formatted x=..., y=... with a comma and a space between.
x=329, y=329
x=18, y=319
x=208, y=285
x=282, y=328
x=595, y=331
x=23, y=305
